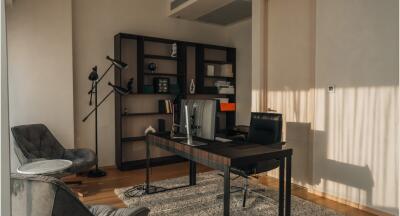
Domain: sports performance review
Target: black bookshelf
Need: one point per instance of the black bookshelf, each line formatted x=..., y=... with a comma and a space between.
x=132, y=139
x=179, y=76
x=145, y=114
x=216, y=62
x=160, y=74
x=161, y=57
x=219, y=77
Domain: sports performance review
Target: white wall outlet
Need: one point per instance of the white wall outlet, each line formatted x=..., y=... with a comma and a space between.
x=331, y=89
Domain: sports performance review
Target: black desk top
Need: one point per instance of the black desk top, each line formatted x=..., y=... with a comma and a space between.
x=236, y=153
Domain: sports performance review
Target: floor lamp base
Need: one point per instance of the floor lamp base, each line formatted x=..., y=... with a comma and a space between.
x=96, y=173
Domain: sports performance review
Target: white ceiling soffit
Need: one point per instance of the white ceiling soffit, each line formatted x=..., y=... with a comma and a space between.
x=221, y=12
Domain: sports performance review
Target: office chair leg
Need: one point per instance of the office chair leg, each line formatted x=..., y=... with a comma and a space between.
x=233, y=178
x=244, y=193
x=234, y=189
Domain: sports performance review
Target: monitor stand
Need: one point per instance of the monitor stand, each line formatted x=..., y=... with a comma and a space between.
x=189, y=139
x=191, y=142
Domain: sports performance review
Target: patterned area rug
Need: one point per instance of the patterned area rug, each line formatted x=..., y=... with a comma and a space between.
x=201, y=200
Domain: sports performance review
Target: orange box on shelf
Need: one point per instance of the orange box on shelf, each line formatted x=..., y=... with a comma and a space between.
x=226, y=107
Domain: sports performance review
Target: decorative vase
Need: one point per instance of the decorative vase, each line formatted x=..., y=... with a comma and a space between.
x=174, y=50
x=192, y=87
x=150, y=129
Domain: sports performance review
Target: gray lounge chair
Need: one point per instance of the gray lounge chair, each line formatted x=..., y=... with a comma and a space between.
x=34, y=195
x=36, y=142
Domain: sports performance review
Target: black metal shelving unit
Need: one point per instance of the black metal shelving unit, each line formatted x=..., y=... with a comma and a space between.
x=144, y=114
x=181, y=80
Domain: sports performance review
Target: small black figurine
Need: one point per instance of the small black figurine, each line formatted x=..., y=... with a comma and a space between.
x=129, y=86
x=152, y=67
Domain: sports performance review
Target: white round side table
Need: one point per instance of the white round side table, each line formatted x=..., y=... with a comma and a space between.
x=45, y=167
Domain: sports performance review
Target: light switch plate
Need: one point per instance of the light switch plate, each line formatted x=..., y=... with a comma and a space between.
x=331, y=89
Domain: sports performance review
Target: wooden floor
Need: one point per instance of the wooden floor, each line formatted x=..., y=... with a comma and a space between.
x=101, y=190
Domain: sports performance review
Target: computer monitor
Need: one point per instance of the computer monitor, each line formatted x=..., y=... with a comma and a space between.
x=202, y=114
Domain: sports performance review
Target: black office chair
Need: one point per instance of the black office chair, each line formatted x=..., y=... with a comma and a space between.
x=265, y=129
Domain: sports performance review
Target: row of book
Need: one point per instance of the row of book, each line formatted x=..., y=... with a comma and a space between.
x=165, y=106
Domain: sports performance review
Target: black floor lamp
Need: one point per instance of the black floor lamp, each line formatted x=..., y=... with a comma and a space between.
x=94, y=77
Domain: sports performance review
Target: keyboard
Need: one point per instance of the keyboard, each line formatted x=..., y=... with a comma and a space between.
x=220, y=139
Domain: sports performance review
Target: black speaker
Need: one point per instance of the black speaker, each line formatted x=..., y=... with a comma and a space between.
x=217, y=126
x=161, y=125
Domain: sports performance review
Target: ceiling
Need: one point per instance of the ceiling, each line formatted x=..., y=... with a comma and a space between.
x=220, y=12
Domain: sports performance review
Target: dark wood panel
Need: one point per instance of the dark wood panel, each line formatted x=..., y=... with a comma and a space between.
x=118, y=102
x=140, y=164
x=216, y=62
x=219, y=77
x=161, y=74
x=133, y=139
x=224, y=154
x=142, y=114
x=161, y=57
x=140, y=64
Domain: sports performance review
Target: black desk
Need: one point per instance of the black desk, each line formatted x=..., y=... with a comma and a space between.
x=223, y=156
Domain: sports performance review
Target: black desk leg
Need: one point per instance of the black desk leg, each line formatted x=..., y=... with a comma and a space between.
x=192, y=173
x=227, y=190
x=281, y=185
x=288, y=184
x=147, y=167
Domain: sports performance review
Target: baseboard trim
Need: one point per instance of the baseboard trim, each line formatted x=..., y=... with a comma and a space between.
x=337, y=199
x=346, y=202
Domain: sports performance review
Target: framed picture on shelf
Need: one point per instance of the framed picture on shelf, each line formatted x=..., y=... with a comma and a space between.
x=161, y=84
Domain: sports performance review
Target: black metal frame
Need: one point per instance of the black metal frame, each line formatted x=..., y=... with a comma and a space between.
x=94, y=90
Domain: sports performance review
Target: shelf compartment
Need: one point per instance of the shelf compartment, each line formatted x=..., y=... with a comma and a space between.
x=161, y=74
x=160, y=57
x=133, y=139
x=211, y=94
x=132, y=94
x=215, y=62
x=145, y=114
x=140, y=164
x=219, y=77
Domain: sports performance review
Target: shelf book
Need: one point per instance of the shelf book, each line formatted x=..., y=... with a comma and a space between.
x=165, y=106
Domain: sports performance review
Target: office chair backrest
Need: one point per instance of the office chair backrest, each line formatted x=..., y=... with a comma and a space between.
x=265, y=128
x=36, y=141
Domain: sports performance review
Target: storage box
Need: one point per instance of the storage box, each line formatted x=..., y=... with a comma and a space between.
x=226, y=90
x=227, y=107
x=210, y=70
x=226, y=70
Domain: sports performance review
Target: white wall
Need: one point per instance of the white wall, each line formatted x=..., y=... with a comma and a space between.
x=356, y=143
x=239, y=36
x=259, y=60
x=95, y=22
x=40, y=66
x=5, y=203
x=290, y=68
x=41, y=44
x=352, y=134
